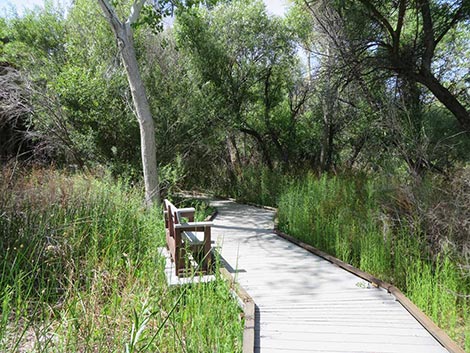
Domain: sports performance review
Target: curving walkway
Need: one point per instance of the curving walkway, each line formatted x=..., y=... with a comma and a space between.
x=303, y=302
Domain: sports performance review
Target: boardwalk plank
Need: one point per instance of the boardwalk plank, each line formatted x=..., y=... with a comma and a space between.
x=340, y=330
x=326, y=346
x=305, y=303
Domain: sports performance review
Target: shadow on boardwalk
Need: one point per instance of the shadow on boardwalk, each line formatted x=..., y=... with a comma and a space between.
x=303, y=302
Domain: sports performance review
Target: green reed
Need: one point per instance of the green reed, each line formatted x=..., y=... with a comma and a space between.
x=343, y=216
x=80, y=271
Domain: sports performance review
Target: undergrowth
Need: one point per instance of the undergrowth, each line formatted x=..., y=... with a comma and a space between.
x=414, y=236
x=344, y=217
x=203, y=207
x=80, y=272
x=257, y=185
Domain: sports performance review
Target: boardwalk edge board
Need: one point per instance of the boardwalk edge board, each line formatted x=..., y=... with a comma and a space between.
x=211, y=217
x=420, y=316
x=248, y=305
x=269, y=208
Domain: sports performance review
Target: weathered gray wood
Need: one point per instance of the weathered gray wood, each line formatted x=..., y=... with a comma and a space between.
x=305, y=303
x=248, y=306
x=123, y=33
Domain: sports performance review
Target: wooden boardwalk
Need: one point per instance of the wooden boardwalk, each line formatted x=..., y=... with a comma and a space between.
x=303, y=302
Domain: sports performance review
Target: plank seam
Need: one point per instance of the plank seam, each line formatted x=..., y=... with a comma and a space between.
x=420, y=316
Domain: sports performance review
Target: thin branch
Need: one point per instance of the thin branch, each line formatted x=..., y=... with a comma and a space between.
x=459, y=14
x=111, y=15
x=379, y=17
x=135, y=11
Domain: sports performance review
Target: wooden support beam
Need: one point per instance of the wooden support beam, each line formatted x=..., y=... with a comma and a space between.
x=248, y=305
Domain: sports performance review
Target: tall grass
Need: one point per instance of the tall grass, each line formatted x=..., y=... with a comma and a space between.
x=343, y=217
x=257, y=185
x=80, y=272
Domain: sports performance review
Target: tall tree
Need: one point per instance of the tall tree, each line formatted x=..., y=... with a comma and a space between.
x=124, y=36
x=247, y=58
x=403, y=37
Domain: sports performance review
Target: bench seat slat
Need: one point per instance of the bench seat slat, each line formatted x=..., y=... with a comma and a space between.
x=193, y=238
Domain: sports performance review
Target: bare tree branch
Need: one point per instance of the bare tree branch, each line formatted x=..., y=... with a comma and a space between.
x=135, y=11
x=428, y=29
x=459, y=14
x=110, y=15
x=379, y=17
x=401, y=19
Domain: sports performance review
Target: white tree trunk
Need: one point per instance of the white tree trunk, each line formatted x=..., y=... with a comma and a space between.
x=124, y=37
x=144, y=116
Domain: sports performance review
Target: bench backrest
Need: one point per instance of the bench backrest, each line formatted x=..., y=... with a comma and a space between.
x=172, y=216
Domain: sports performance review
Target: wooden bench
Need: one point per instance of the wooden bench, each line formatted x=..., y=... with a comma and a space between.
x=187, y=238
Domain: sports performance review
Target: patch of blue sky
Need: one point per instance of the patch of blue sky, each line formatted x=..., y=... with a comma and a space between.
x=274, y=7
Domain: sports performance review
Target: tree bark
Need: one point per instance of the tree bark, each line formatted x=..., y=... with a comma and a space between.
x=261, y=145
x=230, y=161
x=329, y=97
x=124, y=37
x=445, y=97
x=144, y=116
x=233, y=153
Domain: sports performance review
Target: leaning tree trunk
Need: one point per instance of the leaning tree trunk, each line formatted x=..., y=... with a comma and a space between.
x=445, y=97
x=328, y=106
x=124, y=37
x=144, y=116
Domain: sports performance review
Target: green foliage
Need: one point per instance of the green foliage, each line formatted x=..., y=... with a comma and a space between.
x=34, y=39
x=171, y=176
x=343, y=216
x=258, y=185
x=79, y=98
x=226, y=86
x=236, y=113
x=245, y=61
x=83, y=272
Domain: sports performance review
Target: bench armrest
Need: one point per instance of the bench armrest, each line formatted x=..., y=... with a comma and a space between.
x=183, y=211
x=187, y=213
x=191, y=225
x=186, y=210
